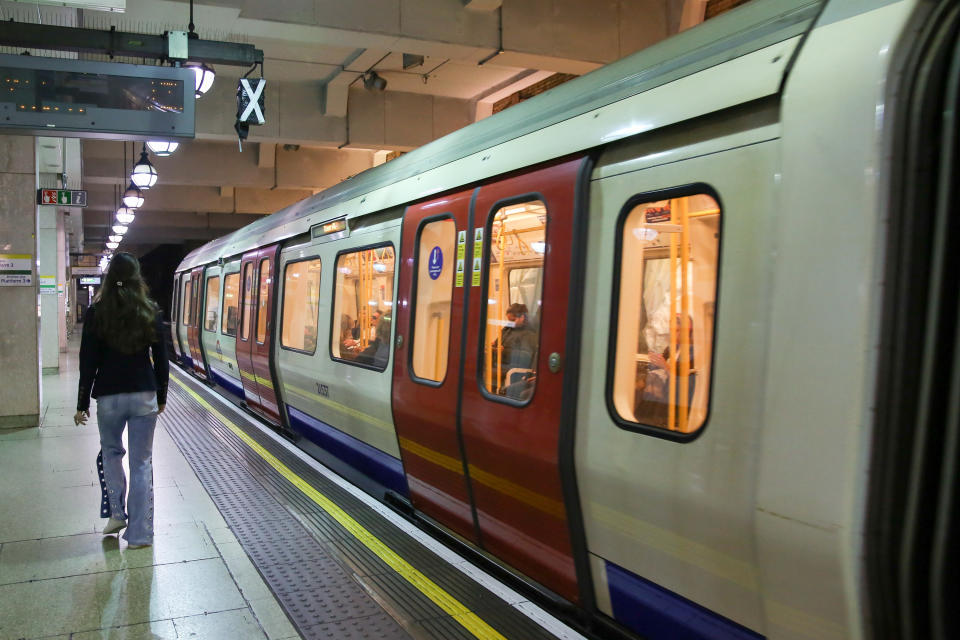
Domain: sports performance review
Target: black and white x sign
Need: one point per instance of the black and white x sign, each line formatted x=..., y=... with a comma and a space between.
x=250, y=100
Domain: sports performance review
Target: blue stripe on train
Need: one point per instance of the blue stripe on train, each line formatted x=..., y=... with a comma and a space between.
x=657, y=613
x=186, y=360
x=380, y=466
x=228, y=383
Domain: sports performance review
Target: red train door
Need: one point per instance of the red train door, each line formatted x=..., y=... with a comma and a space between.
x=175, y=316
x=505, y=372
x=513, y=393
x=254, y=341
x=426, y=372
x=196, y=316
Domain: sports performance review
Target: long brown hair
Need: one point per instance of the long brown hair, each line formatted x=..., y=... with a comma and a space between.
x=125, y=314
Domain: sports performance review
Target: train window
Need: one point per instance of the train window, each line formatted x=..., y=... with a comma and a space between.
x=363, y=307
x=431, y=335
x=213, y=304
x=514, y=274
x=187, y=289
x=301, y=301
x=231, y=304
x=262, y=300
x=195, y=304
x=247, y=301
x=665, y=314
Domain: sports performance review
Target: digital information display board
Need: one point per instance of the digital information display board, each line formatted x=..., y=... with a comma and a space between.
x=77, y=98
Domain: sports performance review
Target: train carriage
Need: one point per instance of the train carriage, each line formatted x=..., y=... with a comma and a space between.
x=628, y=337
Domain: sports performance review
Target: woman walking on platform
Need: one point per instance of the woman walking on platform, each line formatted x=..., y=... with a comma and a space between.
x=121, y=329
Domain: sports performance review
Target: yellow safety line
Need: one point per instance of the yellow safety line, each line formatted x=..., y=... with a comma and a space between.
x=425, y=585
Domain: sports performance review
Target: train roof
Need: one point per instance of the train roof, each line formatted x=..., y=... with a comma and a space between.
x=747, y=29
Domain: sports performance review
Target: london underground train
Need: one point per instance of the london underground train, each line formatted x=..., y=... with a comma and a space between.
x=676, y=340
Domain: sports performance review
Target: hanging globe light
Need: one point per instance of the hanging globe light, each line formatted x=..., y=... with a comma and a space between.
x=119, y=229
x=115, y=238
x=133, y=197
x=113, y=245
x=203, y=75
x=125, y=215
x=144, y=175
x=162, y=148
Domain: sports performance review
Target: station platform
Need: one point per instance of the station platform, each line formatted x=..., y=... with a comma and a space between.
x=253, y=539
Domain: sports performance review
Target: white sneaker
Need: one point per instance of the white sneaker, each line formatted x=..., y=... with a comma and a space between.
x=114, y=526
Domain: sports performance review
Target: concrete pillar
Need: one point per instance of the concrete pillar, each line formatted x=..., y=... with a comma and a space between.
x=47, y=268
x=19, y=325
x=63, y=282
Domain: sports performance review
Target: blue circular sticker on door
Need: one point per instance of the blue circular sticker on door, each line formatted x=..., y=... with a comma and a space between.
x=435, y=266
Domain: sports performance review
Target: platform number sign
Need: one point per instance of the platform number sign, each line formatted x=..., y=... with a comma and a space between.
x=250, y=101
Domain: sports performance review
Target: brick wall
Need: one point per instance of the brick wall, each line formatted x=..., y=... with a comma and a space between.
x=533, y=90
x=716, y=7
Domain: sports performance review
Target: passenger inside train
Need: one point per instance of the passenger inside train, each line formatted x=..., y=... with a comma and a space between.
x=363, y=299
x=518, y=245
x=378, y=351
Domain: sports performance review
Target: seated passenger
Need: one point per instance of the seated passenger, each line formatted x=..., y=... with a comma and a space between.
x=520, y=343
x=650, y=396
x=232, y=315
x=349, y=342
x=379, y=350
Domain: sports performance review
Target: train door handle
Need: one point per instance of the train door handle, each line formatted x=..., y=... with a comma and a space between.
x=399, y=341
x=555, y=362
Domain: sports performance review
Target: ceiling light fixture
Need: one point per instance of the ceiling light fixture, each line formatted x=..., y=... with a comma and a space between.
x=113, y=245
x=115, y=238
x=133, y=197
x=372, y=81
x=144, y=175
x=204, y=76
x=125, y=215
x=162, y=148
x=119, y=229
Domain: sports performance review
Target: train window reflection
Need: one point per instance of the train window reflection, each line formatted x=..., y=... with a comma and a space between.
x=514, y=289
x=301, y=300
x=668, y=287
x=213, y=304
x=187, y=289
x=363, y=306
x=247, y=301
x=231, y=304
x=435, y=266
x=262, y=300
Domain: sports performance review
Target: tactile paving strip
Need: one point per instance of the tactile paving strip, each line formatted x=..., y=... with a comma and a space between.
x=330, y=584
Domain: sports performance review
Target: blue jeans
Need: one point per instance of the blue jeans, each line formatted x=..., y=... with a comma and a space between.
x=114, y=413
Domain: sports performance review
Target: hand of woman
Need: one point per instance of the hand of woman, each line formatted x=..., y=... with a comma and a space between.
x=80, y=417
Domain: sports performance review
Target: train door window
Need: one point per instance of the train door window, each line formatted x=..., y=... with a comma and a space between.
x=301, y=301
x=262, y=301
x=231, y=304
x=247, y=302
x=363, y=307
x=434, y=290
x=515, y=256
x=195, y=305
x=213, y=304
x=187, y=290
x=665, y=312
